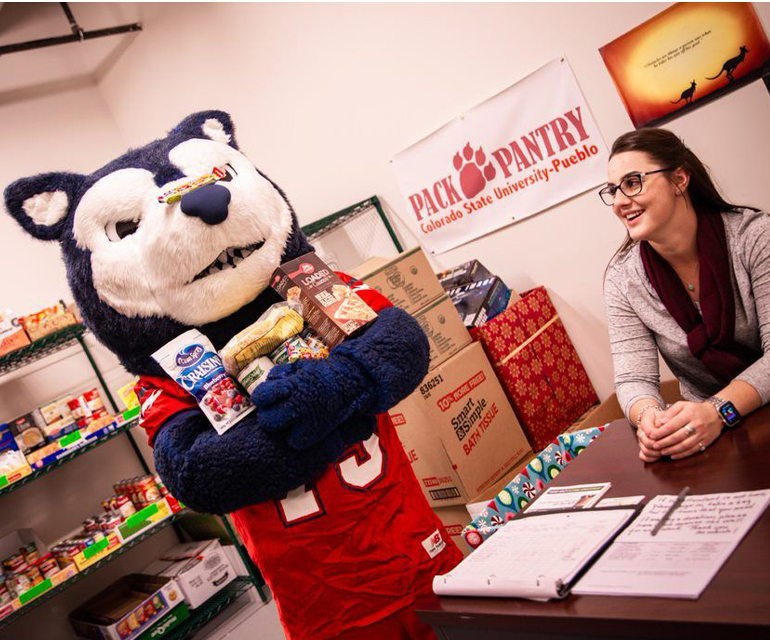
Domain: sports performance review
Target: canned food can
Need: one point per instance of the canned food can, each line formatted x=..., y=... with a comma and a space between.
x=48, y=566
x=148, y=490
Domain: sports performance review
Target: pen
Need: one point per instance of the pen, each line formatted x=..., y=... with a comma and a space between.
x=679, y=500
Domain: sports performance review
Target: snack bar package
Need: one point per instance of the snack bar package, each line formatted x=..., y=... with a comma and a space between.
x=328, y=304
x=190, y=359
x=279, y=323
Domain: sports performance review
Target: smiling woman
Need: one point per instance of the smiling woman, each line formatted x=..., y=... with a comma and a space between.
x=691, y=281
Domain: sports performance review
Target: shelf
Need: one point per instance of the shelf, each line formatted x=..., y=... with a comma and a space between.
x=89, y=570
x=58, y=463
x=210, y=609
x=40, y=348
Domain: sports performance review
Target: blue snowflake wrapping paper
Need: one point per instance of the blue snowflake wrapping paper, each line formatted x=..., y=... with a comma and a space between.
x=529, y=483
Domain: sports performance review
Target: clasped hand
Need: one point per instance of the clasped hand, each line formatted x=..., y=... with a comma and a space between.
x=680, y=431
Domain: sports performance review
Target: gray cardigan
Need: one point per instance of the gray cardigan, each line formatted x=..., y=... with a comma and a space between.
x=639, y=324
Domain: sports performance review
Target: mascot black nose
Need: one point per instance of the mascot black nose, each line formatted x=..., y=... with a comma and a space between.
x=209, y=203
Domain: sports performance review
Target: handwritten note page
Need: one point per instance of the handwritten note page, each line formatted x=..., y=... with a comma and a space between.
x=681, y=560
x=532, y=557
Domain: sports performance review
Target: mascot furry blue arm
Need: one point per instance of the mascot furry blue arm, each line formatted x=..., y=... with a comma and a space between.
x=319, y=453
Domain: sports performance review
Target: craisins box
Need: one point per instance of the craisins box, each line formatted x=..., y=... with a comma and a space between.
x=328, y=305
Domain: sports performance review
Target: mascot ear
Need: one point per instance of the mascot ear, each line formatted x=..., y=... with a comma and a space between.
x=215, y=125
x=40, y=204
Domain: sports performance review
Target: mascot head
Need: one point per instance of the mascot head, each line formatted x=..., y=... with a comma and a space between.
x=143, y=271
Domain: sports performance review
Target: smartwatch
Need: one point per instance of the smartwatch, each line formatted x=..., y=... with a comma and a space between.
x=726, y=411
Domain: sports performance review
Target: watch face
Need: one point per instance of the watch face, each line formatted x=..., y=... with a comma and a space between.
x=730, y=414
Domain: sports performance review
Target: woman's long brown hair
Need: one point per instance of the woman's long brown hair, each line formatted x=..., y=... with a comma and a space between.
x=668, y=150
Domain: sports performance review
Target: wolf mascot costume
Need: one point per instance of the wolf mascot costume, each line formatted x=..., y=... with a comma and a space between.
x=316, y=480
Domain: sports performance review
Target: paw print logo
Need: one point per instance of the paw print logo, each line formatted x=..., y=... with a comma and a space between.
x=469, y=165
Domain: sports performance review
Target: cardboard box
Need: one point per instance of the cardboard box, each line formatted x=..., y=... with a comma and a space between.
x=538, y=367
x=12, y=335
x=458, y=429
x=407, y=280
x=328, y=304
x=40, y=324
x=479, y=302
x=446, y=332
x=144, y=519
x=130, y=608
x=465, y=273
x=200, y=569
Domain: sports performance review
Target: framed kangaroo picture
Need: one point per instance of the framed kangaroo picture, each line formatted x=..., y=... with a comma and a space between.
x=690, y=54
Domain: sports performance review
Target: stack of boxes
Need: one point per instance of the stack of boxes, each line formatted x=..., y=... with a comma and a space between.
x=458, y=429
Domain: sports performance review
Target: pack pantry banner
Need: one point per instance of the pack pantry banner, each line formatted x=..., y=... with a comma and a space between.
x=528, y=148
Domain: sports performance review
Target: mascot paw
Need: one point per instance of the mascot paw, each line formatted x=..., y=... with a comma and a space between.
x=308, y=399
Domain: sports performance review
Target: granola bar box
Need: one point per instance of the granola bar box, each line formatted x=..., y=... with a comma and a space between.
x=328, y=305
x=538, y=366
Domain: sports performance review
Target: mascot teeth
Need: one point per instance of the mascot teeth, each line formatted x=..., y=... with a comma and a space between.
x=228, y=259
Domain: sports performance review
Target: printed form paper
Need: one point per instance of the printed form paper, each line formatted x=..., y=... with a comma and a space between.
x=681, y=560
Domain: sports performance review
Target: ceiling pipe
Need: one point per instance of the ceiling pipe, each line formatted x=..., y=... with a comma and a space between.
x=78, y=35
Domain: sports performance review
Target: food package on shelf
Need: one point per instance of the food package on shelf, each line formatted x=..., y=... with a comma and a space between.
x=40, y=324
x=12, y=334
x=465, y=273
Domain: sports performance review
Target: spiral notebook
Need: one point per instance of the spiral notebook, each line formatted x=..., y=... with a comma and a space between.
x=536, y=556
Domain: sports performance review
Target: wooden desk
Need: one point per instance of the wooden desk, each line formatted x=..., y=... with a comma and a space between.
x=735, y=605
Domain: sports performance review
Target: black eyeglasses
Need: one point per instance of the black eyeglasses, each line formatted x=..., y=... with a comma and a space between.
x=630, y=185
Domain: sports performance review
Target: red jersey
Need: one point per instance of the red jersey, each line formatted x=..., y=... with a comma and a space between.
x=350, y=549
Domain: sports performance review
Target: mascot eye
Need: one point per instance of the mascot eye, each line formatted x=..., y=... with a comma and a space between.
x=116, y=231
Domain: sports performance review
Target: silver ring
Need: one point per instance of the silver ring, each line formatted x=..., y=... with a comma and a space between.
x=701, y=446
x=689, y=429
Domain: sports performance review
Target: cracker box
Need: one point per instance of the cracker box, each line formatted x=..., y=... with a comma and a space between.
x=131, y=608
x=458, y=430
x=407, y=280
x=465, y=273
x=446, y=333
x=478, y=302
x=329, y=306
x=40, y=324
x=538, y=366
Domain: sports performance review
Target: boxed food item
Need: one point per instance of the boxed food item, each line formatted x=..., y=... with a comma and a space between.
x=13, y=464
x=479, y=302
x=40, y=324
x=200, y=569
x=538, y=366
x=12, y=334
x=465, y=273
x=56, y=410
x=128, y=395
x=458, y=429
x=131, y=608
x=444, y=328
x=407, y=280
x=328, y=305
x=28, y=433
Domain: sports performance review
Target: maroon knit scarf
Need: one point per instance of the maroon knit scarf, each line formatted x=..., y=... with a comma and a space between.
x=711, y=337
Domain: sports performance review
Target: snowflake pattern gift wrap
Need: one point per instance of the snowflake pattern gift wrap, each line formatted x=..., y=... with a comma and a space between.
x=538, y=367
x=528, y=484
